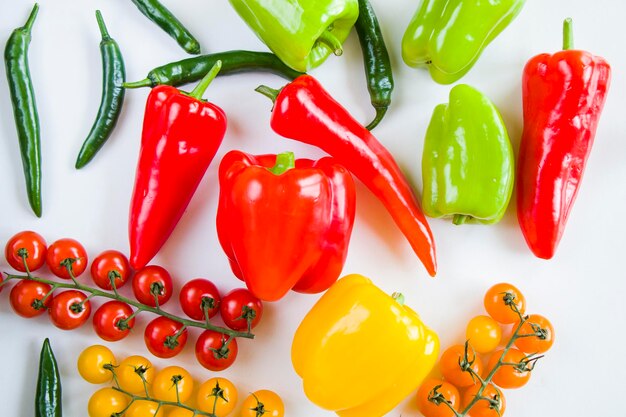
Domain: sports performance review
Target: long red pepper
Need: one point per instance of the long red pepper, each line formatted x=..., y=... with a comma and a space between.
x=181, y=135
x=563, y=97
x=304, y=111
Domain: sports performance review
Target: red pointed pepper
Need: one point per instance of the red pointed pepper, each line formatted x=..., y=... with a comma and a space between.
x=563, y=97
x=304, y=111
x=181, y=135
x=284, y=224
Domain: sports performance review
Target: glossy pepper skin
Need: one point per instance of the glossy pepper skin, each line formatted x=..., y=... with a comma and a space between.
x=284, y=224
x=448, y=36
x=360, y=351
x=563, y=96
x=302, y=33
x=467, y=163
x=181, y=134
x=304, y=111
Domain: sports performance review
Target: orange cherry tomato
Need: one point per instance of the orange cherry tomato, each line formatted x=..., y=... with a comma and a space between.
x=483, y=333
x=455, y=369
x=510, y=376
x=445, y=391
x=502, y=300
x=263, y=403
x=536, y=344
x=491, y=404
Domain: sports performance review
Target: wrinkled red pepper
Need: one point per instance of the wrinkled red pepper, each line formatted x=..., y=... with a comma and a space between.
x=284, y=224
x=181, y=135
x=304, y=111
x=563, y=97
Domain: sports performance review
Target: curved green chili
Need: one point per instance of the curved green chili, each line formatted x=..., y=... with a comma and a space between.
x=193, y=69
x=160, y=15
x=376, y=60
x=48, y=396
x=25, y=108
x=113, y=77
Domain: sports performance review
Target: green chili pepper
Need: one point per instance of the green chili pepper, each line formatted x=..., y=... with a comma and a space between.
x=302, y=33
x=376, y=59
x=25, y=108
x=113, y=77
x=467, y=164
x=160, y=15
x=48, y=396
x=193, y=69
x=448, y=36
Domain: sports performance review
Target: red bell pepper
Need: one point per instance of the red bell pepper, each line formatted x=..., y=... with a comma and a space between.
x=284, y=224
x=181, y=135
x=304, y=111
x=563, y=96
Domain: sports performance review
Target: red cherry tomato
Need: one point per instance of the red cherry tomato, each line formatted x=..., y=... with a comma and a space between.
x=110, y=265
x=239, y=306
x=34, y=247
x=150, y=281
x=26, y=298
x=62, y=250
x=108, y=320
x=214, y=351
x=69, y=309
x=160, y=337
x=198, y=294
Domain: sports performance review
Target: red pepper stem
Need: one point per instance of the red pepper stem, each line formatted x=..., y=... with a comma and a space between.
x=268, y=92
x=568, y=34
x=198, y=92
x=331, y=42
x=284, y=162
x=31, y=18
x=103, y=28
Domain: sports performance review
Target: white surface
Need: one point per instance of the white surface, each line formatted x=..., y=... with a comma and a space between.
x=581, y=290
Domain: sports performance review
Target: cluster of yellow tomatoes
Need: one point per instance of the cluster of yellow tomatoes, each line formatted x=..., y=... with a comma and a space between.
x=139, y=390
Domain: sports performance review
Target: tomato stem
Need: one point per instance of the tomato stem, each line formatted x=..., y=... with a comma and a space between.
x=162, y=403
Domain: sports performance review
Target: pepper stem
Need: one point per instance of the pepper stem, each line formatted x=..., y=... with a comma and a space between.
x=331, y=42
x=146, y=82
x=398, y=297
x=103, y=28
x=268, y=92
x=380, y=113
x=460, y=219
x=198, y=92
x=568, y=34
x=31, y=18
x=284, y=162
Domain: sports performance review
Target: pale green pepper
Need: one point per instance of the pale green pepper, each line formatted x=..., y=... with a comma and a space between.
x=448, y=36
x=467, y=164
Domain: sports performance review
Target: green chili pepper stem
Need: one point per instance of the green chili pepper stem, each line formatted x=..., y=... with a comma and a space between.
x=198, y=92
x=331, y=42
x=460, y=219
x=48, y=393
x=380, y=114
x=568, y=34
x=31, y=18
x=146, y=82
x=103, y=28
x=284, y=162
x=268, y=92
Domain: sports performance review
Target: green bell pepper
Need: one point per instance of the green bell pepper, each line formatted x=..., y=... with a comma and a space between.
x=467, y=164
x=448, y=36
x=302, y=33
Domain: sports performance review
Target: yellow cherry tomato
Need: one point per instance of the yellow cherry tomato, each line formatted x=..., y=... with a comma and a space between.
x=91, y=363
x=263, y=403
x=106, y=402
x=129, y=371
x=143, y=408
x=179, y=412
x=483, y=333
x=170, y=380
x=217, y=396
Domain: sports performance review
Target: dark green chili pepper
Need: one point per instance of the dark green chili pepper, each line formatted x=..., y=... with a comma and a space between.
x=376, y=59
x=193, y=69
x=48, y=397
x=25, y=108
x=113, y=77
x=160, y=15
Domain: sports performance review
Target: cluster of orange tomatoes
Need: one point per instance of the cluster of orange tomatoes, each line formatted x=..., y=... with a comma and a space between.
x=469, y=387
x=139, y=390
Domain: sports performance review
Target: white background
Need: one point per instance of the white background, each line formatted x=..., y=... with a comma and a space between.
x=582, y=290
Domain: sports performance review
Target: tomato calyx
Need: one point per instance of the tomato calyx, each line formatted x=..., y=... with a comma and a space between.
x=259, y=410
x=526, y=364
x=466, y=363
x=222, y=352
x=437, y=398
x=171, y=342
x=218, y=392
x=248, y=314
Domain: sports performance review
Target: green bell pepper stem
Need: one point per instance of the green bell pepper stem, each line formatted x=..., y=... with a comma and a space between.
x=331, y=42
x=284, y=162
x=568, y=34
x=198, y=92
x=459, y=219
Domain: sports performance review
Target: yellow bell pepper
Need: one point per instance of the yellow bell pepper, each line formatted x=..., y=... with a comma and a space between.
x=360, y=351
